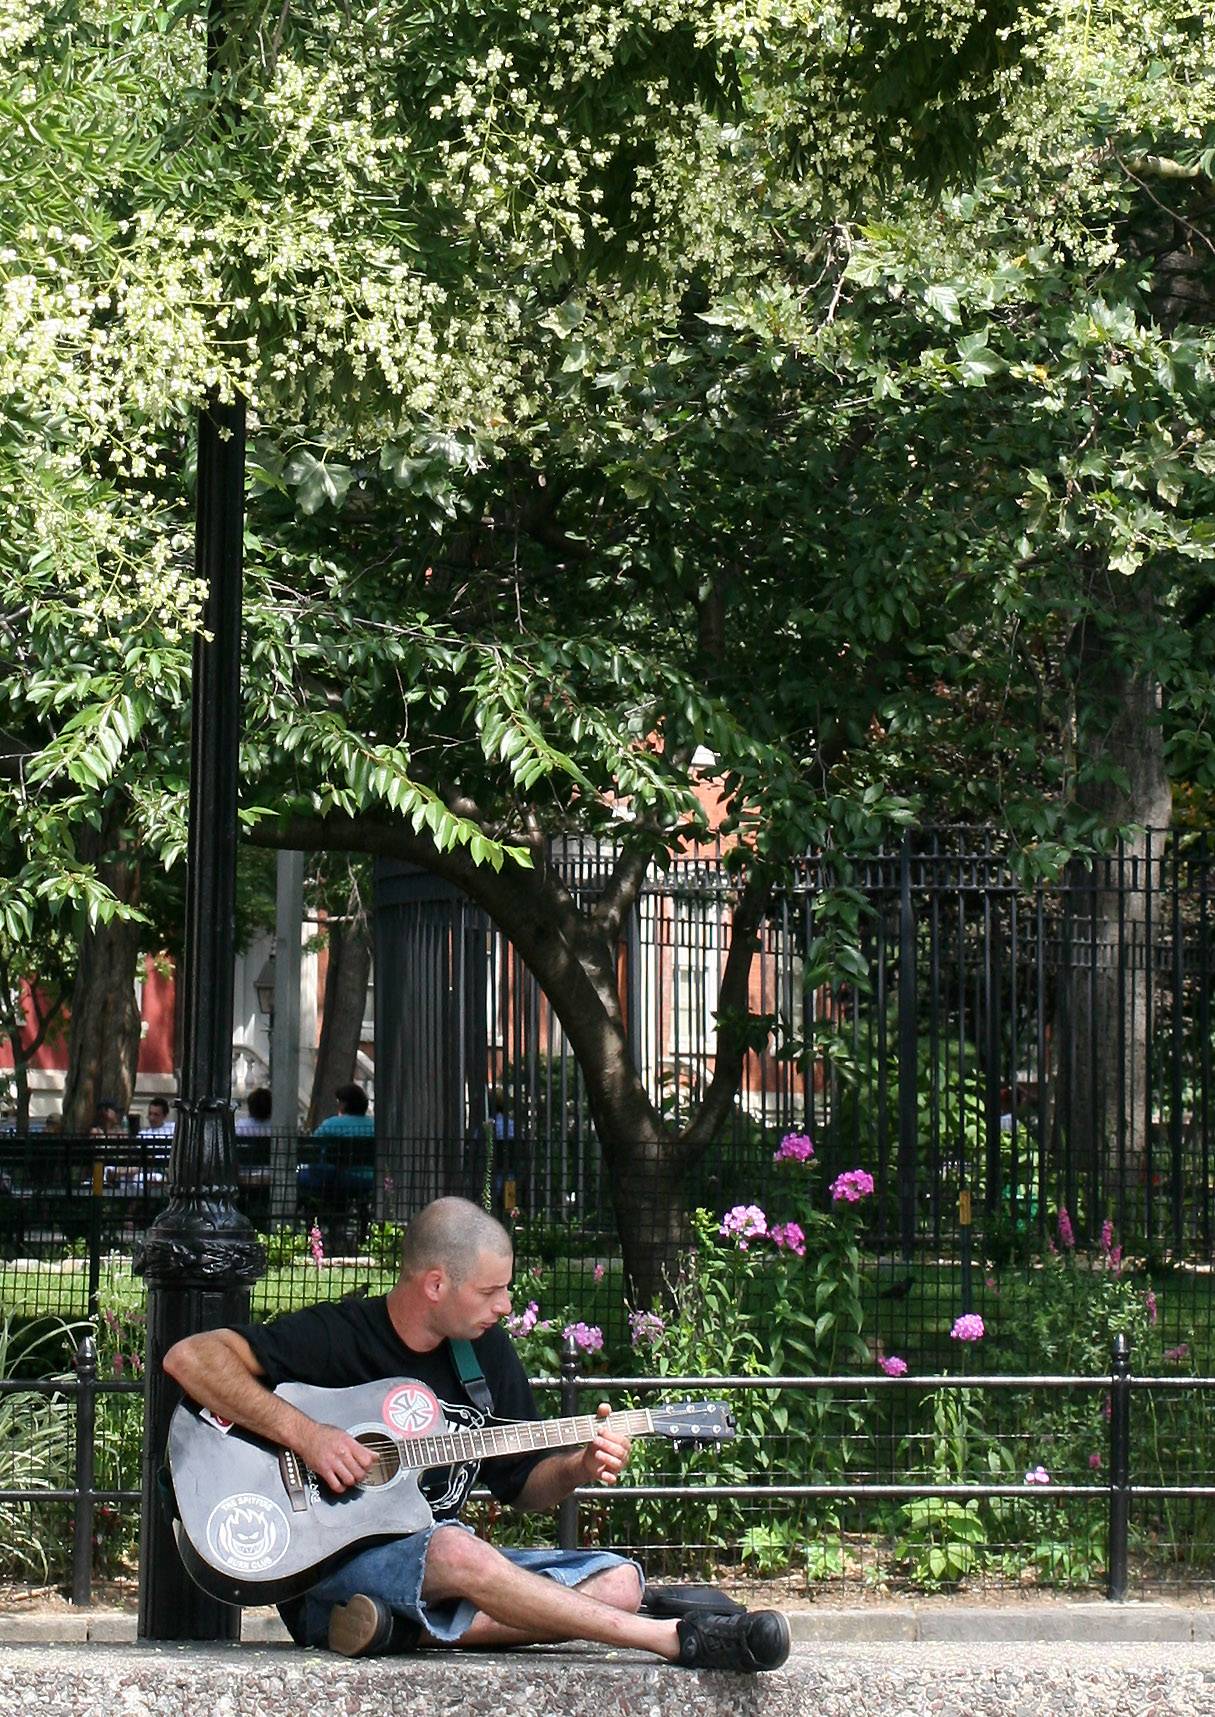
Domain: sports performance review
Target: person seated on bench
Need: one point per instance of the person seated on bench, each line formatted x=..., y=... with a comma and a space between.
x=444, y=1586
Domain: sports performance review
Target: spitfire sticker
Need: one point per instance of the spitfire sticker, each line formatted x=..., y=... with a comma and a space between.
x=247, y=1533
x=412, y=1410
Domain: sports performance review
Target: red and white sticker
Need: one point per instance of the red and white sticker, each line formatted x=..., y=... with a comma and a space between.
x=411, y=1409
x=224, y=1425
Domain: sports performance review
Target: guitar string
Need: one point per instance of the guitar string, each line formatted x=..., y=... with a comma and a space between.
x=488, y=1441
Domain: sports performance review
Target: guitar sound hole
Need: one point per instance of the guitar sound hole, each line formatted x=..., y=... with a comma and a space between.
x=387, y=1462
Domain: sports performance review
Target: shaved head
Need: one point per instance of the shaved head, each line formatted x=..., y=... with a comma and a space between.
x=451, y=1235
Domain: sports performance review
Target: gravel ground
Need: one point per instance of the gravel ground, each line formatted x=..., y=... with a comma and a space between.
x=1069, y=1679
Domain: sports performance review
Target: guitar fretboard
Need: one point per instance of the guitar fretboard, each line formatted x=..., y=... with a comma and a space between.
x=520, y=1438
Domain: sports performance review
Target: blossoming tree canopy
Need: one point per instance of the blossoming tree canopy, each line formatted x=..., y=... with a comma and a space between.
x=365, y=218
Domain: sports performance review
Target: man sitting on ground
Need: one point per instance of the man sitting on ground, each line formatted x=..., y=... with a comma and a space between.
x=444, y=1586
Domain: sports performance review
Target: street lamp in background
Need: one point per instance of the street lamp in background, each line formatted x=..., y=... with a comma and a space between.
x=263, y=989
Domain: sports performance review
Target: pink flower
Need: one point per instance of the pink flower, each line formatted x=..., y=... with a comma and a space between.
x=1038, y=1475
x=1067, y=1234
x=969, y=1327
x=1175, y=1355
x=790, y=1236
x=850, y=1188
x=316, y=1245
x=794, y=1148
x=645, y=1328
x=589, y=1337
x=523, y=1323
x=989, y=1282
x=1094, y=1461
x=1149, y=1303
x=894, y=1366
x=1116, y=1258
x=1107, y=1236
x=597, y=1273
x=744, y=1223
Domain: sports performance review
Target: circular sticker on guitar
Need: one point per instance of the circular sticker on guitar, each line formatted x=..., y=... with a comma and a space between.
x=247, y=1533
x=411, y=1409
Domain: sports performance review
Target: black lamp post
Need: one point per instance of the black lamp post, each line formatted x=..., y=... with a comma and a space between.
x=200, y=1256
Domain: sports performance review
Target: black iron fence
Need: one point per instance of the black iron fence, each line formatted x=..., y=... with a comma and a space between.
x=1035, y=1043
x=907, y=1526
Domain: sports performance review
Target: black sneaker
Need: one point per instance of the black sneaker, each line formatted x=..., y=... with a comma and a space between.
x=366, y=1627
x=749, y=1642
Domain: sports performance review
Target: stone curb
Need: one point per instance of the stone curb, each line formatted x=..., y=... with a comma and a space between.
x=919, y=1679
x=1094, y=1623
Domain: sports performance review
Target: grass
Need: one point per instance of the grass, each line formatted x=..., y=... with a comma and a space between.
x=910, y=1311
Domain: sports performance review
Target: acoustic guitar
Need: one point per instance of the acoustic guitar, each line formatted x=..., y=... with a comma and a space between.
x=256, y=1526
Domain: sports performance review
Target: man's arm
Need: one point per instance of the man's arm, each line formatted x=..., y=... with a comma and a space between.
x=219, y=1370
x=599, y=1462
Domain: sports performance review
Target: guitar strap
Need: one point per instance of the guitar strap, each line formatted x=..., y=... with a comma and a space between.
x=471, y=1375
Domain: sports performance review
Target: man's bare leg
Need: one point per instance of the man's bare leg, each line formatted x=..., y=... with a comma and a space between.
x=517, y=1607
x=617, y=1587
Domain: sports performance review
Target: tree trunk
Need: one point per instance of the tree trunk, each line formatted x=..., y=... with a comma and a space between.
x=345, y=1001
x=103, y=1034
x=571, y=949
x=1110, y=929
x=21, y=1082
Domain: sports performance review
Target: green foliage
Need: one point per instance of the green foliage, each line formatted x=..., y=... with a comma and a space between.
x=384, y=1243
x=36, y=1453
x=284, y=1246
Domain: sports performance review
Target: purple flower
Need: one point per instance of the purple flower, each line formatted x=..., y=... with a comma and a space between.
x=1094, y=1461
x=744, y=1223
x=1107, y=1236
x=1116, y=1258
x=1175, y=1355
x=790, y=1236
x=894, y=1366
x=523, y=1323
x=597, y=1273
x=1067, y=1234
x=850, y=1188
x=589, y=1337
x=645, y=1328
x=794, y=1148
x=1149, y=1303
x=1038, y=1475
x=316, y=1245
x=969, y=1327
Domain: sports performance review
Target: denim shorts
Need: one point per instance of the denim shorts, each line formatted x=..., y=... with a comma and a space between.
x=393, y=1572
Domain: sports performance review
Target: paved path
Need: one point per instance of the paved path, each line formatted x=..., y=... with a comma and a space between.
x=968, y=1678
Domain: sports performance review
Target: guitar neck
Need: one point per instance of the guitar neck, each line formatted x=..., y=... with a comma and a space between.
x=521, y=1438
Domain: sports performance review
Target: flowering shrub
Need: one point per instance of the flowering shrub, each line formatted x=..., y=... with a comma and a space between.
x=645, y=1328
x=851, y=1187
x=746, y=1222
x=788, y=1236
x=794, y=1148
x=969, y=1327
x=523, y=1323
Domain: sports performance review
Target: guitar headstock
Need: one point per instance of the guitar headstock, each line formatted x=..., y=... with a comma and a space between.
x=694, y=1424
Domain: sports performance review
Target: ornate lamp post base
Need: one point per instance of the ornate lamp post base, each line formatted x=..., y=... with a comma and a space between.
x=200, y=1258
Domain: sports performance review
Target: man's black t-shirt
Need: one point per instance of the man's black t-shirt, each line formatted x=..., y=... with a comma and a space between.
x=342, y=1343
